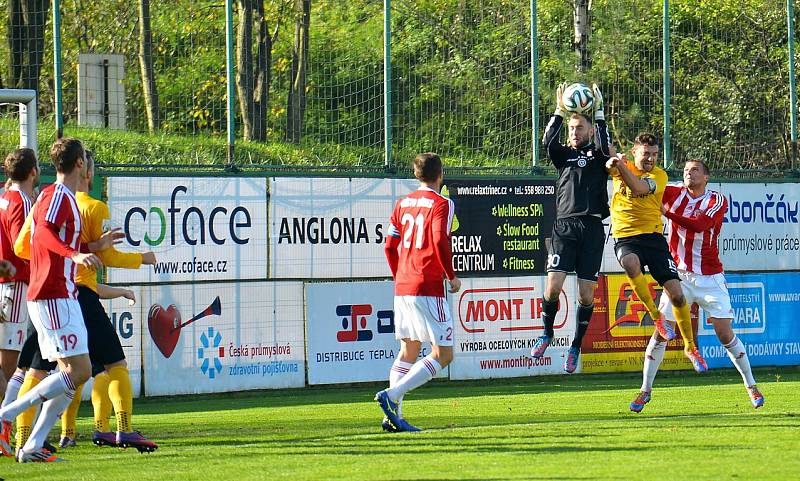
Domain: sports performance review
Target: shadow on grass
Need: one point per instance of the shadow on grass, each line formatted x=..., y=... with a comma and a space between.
x=462, y=391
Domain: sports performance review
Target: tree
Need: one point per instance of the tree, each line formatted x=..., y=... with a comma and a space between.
x=582, y=22
x=296, y=105
x=254, y=74
x=149, y=90
x=26, y=28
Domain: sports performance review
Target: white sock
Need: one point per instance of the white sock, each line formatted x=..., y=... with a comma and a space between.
x=396, y=373
x=653, y=356
x=12, y=389
x=738, y=355
x=51, y=412
x=51, y=387
x=421, y=372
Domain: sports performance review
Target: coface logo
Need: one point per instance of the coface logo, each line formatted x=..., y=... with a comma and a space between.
x=211, y=352
x=196, y=226
x=749, y=308
x=355, y=315
x=508, y=308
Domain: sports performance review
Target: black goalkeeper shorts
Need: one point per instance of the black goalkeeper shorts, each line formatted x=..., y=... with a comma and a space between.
x=576, y=245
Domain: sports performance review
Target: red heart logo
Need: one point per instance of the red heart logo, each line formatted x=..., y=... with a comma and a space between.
x=165, y=327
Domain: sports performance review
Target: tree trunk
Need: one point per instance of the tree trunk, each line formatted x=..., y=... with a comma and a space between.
x=34, y=14
x=149, y=90
x=296, y=105
x=16, y=44
x=244, y=60
x=263, y=76
x=582, y=21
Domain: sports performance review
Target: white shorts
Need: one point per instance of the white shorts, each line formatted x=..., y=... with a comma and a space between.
x=60, y=328
x=709, y=292
x=424, y=319
x=14, y=310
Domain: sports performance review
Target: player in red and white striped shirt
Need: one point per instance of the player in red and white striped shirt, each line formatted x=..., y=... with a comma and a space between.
x=22, y=170
x=695, y=219
x=419, y=256
x=52, y=302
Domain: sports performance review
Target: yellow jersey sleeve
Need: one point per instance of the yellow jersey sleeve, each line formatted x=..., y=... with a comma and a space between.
x=637, y=214
x=94, y=217
x=22, y=245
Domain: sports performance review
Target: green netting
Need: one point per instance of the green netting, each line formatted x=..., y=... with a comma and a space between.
x=731, y=83
x=310, y=80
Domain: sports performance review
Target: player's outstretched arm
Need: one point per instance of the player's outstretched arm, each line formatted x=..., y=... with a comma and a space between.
x=149, y=258
x=94, y=219
x=90, y=261
x=700, y=224
x=108, y=292
x=107, y=240
x=638, y=186
x=47, y=235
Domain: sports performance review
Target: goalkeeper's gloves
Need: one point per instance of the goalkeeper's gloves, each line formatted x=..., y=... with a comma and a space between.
x=561, y=110
x=599, y=114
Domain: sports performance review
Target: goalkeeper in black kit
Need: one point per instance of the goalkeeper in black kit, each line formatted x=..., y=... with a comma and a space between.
x=576, y=243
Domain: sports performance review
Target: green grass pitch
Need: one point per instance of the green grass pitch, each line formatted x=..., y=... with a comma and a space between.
x=697, y=427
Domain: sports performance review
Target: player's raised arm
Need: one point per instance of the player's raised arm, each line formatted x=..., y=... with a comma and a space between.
x=602, y=134
x=550, y=144
x=637, y=185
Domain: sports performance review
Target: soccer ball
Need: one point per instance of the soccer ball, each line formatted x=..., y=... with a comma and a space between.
x=578, y=98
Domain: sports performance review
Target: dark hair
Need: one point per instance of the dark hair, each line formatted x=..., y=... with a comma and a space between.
x=427, y=167
x=65, y=153
x=89, y=160
x=19, y=164
x=646, y=138
x=583, y=116
x=706, y=170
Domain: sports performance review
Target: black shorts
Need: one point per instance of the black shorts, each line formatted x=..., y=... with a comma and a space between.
x=576, y=245
x=30, y=357
x=652, y=251
x=104, y=345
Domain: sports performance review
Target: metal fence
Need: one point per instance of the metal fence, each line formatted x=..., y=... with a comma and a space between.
x=149, y=83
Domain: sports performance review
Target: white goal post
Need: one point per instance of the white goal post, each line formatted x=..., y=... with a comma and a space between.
x=26, y=99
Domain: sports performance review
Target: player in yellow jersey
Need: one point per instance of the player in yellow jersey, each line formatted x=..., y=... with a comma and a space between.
x=105, y=350
x=109, y=368
x=639, y=241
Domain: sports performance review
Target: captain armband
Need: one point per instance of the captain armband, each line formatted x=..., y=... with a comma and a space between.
x=650, y=183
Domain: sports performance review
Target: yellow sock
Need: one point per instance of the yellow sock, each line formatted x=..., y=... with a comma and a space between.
x=684, y=318
x=26, y=418
x=121, y=394
x=639, y=284
x=101, y=403
x=69, y=418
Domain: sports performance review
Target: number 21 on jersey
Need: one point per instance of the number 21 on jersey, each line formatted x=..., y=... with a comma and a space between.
x=412, y=227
